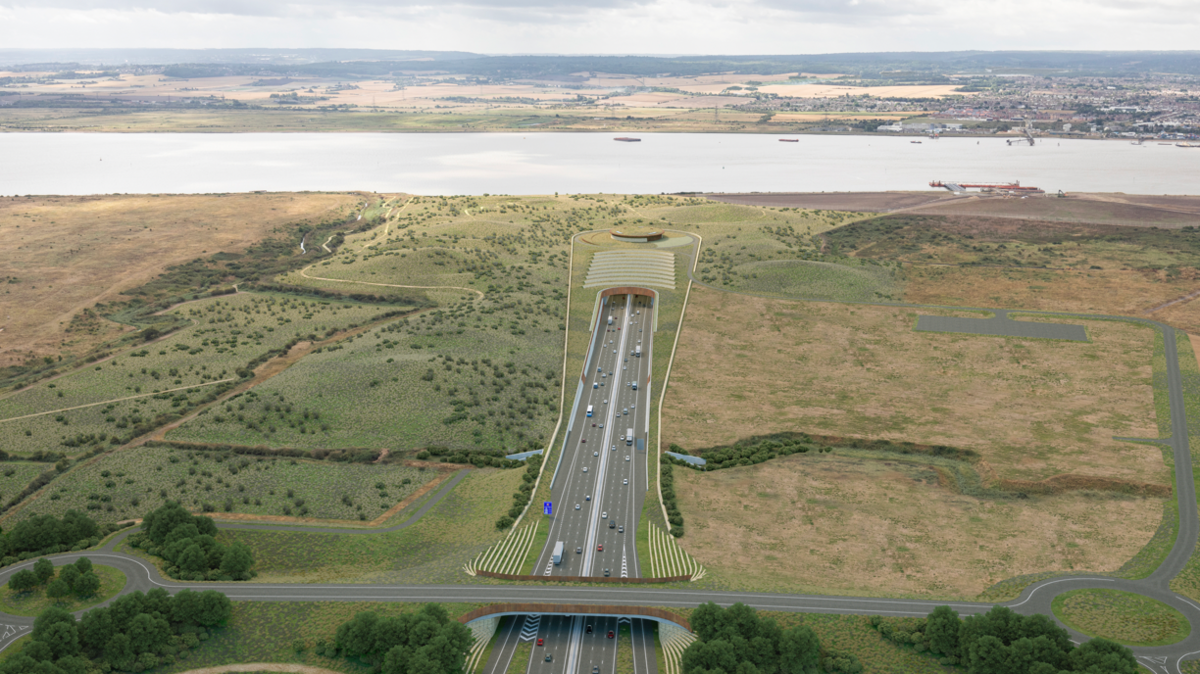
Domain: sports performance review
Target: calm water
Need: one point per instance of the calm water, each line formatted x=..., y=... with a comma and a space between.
x=543, y=163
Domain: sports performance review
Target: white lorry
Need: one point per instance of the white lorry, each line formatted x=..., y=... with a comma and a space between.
x=558, y=552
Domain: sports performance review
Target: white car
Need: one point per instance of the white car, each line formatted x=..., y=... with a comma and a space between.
x=626, y=458
x=577, y=506
x=585, y=467
x=588, y=497
x=595, y=453
x=604, y=515
x=625, y=482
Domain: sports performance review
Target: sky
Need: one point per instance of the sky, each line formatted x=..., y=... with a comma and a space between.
x=606, y=26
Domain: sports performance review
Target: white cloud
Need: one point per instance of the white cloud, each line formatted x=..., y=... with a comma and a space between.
x=605, y=26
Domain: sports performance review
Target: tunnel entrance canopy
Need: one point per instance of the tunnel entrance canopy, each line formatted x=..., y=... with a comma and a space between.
x=645, y=612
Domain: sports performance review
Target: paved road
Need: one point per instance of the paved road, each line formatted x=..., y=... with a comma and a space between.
x=601, y=484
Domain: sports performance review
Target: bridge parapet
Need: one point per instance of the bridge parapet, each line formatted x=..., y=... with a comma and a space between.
x=648, y=612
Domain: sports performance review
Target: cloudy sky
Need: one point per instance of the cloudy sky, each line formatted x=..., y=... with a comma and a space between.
x=606, y=26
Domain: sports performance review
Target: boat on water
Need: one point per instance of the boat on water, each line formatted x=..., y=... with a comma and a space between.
x=789, y=140
x=626, y=139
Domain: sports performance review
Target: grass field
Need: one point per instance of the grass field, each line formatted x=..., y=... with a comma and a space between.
x=105, y=403
x=132, y=482
x=68, y=253
x=1124, y=617
x=433, y=550
x=35, y=601
x=1031, y=409
x=852, y=523
x=14, y=476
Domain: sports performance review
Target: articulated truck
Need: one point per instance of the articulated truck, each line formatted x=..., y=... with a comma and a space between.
x=629, y=437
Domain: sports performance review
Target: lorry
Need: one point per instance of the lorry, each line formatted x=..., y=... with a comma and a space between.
x=637, y=351
x=610, y=320
x=589, y=410
x=629, y=437
x=558, y=550
x=635, y=385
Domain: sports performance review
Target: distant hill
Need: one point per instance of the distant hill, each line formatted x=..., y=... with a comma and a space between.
x=93, y=57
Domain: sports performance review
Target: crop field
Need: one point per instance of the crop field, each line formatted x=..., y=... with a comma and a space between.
x=134, y=481
x=1031, y=409
x=1124, y=617
x=68, y=253
x=269, y=632
x=859, y=523
x=137, y=385
x=998, y=262
x=432, y=550
x=35, y=601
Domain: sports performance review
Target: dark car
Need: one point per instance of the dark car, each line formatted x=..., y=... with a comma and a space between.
x=587, y=630
x=549, y=657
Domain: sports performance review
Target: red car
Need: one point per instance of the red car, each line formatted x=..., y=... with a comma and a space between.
x=541, y=642
x=599, y=548
x=611, y=635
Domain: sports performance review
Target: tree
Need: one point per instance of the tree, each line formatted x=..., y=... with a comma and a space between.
x=56, y=628
x=43, y=569
x=1101, y=656
x=58, y=589
x=86, y=585
x=214, y=609
x=941, y=629
x=707, y=621
x=22, y=581
x=193, y=559
x=988, y=655
x=237, y=561
x=799, y=650
x=356, y=636
x=83, y=564
x=68, y=574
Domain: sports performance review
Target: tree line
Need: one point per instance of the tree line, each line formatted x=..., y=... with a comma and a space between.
x=136, y=632
x=189, y=543
x=78, y=579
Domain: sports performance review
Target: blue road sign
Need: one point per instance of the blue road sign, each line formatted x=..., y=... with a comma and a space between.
x=548, y=507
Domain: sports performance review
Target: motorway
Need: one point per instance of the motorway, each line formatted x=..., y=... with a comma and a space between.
x=601, y=484
x=597, y=653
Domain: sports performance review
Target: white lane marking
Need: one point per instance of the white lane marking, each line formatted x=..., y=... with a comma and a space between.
x=550, y=565
x=624, y=565
x=1064, y=580
x=512, y=629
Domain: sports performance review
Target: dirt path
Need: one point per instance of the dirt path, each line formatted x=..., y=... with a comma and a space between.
x=304, y=273
x=1177, y=300
x=263, y=667
x=117, y=400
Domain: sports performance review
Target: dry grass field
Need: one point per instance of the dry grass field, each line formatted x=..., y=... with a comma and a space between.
x=1032, y=409
x=847, y=525
x=65, y=254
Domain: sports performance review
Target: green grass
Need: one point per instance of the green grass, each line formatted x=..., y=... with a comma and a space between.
x=810, y=279
x=539, y=543
x=33, y=602
x=624, y=649
x=15, y=475
x=134, y=481
x=433, y=550
x=228, y=333
x=520, y=662
x=267, y=632
x=1124, y=617
x=441, y=379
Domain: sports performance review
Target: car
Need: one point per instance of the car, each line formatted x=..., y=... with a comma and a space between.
x=618, y=328
x=600, y=548
x=612, y=524
x=595, y=669
x=596, y=385
x=582, y=440
x=549, y=657
x=595, y=453
x=626, y=410
x=627, y=360
x=577, y=506
x=607, y=573
x=588, y=497
x=626, y=481
x=611, y=635
x=603, y=375
x=621, y=529
x=541, y=641
x=614, y=448
x=601, y=425
x=593, y=425
x=587, y=630
x=626, y=458
x=624, y=367
x=579, y=550
x=604, y=515
x=600, y=369
x=614, y=351
x=606, y=401
x=585, y=467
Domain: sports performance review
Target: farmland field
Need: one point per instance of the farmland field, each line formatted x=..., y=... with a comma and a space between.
x=137, y=385
x=15, y=475
x=432, y=550
x=137, y=480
